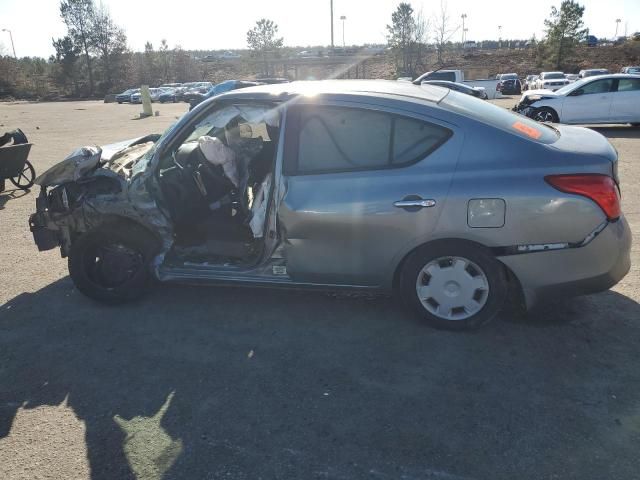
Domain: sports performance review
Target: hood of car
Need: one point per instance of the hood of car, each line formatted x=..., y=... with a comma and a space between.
x=542, y=93
x=82, y=161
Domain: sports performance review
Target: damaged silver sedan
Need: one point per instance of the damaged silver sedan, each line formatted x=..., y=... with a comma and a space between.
x=371, y=185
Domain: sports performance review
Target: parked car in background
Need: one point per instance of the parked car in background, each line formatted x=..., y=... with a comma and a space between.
x=197, y=89
x=478, y=92
x=591, y=41
x=125, y=97
x=272, y=80
x=600, y=99
x=457, y=76
x=509, y=84
x=373, y=185
x=170, y=85
x=168, y=95
x=530, y=82
x=551, y=81
x=154, y=93
x=592, y=72
x=229, y=55
x=219, y=89
x=572, y=77
x=631, y=70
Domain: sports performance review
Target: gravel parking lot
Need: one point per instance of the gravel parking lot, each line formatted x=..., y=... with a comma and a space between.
x=210, y=383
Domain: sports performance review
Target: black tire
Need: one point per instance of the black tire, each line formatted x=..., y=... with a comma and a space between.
x=26, y=178
x=545, y=114
x=494, y=272
x=111, y=264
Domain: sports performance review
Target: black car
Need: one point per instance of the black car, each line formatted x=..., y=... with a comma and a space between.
x=459, y=87
x=195, y=98
x=510, y=86
x=125, y=97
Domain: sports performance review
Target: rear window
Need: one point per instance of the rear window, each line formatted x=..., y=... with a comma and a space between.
x=553, y=76
x=501, y=118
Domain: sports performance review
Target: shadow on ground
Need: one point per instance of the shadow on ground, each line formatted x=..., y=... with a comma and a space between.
x=244, y=383
x=618, y=131
x=11, y=194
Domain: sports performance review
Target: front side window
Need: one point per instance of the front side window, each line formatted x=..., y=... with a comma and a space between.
x=599, y=86
x=335, y=139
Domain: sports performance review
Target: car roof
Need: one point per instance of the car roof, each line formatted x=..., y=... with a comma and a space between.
x=406, y=90
x=615, y=75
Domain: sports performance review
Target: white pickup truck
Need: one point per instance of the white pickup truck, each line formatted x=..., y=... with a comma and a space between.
x=490, y=85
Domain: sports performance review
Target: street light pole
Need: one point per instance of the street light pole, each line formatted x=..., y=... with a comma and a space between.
x=499, y=36
x=12, y=45
x=464, y=16
x=615, y=37
x=331, y=24
x=343, y=18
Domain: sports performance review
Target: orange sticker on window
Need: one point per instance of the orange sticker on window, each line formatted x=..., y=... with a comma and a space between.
x=529, y=131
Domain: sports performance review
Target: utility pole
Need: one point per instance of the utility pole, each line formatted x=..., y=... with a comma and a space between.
x=331, y=24
x=464, y=16
x=12, y=45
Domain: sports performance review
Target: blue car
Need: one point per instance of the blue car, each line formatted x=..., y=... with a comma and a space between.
x=169, y=95
x=125, y=97
x=219, y=89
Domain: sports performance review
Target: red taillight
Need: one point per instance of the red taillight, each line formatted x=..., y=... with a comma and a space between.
x=602, y=189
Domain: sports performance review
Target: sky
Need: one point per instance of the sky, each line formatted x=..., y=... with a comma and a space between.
x=216, y=25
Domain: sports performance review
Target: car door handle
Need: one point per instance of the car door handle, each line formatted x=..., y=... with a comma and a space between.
x=420, y=203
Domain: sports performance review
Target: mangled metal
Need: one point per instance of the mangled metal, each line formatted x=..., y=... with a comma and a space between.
x=87, y=189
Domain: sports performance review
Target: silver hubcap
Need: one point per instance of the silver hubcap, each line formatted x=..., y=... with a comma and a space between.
x=452, y=288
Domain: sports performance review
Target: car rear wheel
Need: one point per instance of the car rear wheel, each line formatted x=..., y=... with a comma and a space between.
x=545, y=114
x=111, y=264
x=454, y=285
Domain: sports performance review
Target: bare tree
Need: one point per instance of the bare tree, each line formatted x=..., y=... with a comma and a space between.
x=165, y=59
x=443, y=30
x=110, y=42
x=78, y=16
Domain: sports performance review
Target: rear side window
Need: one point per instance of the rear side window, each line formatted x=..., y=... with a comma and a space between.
x=628, y=84
x=501, y=118
x=338, y=139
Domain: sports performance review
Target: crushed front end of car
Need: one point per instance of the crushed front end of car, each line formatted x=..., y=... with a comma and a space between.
x=94, y=186
x=527, y=104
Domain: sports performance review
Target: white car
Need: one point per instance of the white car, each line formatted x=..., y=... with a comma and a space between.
x=601, y=99
x=572, y=77
x=593, y=72
x=551, y=81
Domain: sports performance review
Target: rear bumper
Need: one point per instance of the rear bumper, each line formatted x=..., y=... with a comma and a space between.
x=595, y=267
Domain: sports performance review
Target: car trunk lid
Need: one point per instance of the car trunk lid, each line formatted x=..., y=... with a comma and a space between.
x=580, y=142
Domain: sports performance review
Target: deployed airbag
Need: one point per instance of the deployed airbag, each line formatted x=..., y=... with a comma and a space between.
x=217, y=153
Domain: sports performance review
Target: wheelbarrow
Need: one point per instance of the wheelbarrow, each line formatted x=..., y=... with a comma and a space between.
x=14, y=165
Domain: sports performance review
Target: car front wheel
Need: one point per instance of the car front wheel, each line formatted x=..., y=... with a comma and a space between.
x=111, y=264
x=545, y=114
x=454, y=285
